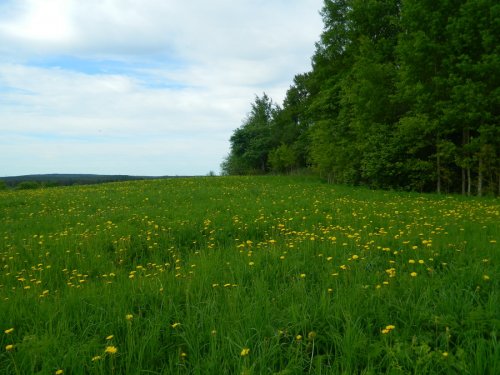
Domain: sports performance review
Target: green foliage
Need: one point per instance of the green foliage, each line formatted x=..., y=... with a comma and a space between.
x=251, y=143
x=283, y=159
x=26, y=185
x=402, y=94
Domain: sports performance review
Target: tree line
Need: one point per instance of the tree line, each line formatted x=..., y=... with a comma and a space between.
x=403, y=94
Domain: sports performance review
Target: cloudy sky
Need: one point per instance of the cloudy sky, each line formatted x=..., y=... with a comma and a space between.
x=141, y=87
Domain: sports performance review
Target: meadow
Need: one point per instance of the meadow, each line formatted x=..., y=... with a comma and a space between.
x=240, y=275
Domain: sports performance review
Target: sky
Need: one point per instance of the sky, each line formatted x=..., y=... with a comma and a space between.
x=141, y=87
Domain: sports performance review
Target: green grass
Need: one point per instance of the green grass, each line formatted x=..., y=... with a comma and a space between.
x=303, y=274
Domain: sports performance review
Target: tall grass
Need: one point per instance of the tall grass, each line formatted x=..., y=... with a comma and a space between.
x=282, y=275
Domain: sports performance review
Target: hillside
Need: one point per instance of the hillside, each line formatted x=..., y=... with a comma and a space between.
x=247, y=275
x=71, y=179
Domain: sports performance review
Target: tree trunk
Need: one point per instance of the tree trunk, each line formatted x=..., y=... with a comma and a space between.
x=469, y=182
x=480, y=178
x=438, y=165
x=466, y=170
x=463, y=181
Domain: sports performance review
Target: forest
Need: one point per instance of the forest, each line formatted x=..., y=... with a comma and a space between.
x=402, y=94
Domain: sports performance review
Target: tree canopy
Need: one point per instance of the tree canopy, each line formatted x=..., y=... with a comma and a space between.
x=402, y=94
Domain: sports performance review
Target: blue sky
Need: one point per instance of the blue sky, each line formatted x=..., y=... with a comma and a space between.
x=149, y=87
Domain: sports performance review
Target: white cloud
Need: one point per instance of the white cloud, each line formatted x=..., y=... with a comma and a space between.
x=179, y=72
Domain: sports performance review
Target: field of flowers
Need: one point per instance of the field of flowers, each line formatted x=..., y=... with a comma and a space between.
x=261, y=275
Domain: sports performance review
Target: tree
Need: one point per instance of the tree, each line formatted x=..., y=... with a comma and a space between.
x=252, y=142
x=283, y=159
x=402, y=94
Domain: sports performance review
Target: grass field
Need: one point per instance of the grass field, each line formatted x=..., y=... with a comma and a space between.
x=256, y=275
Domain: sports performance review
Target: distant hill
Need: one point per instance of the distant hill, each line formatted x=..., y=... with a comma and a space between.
x=38, y=180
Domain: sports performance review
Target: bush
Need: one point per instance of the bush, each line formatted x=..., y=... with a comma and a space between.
x=27, y=185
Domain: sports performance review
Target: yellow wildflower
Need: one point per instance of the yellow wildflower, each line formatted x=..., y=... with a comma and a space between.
x=9, y=347
x=388, y=329
x=111, y=350
x=245, y=352
x=129, y=317
x=9, y=331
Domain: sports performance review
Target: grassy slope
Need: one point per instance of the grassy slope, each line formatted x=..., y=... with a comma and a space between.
x=305, y=275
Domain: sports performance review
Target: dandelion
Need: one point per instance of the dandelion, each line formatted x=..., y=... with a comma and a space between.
x=391, y=272
x=298, y=337
x=110, y=337
x=129, y=317
x=96, y=358
x=413, y=274
x=9, y=331
x=175, y=325
x=111, y=350
x=311, y=335
x=486, y=277
x=388, y=329
x=9, y=347
x=302, y=275
x=245, y=352
x=59, y=372
x=445, y=354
